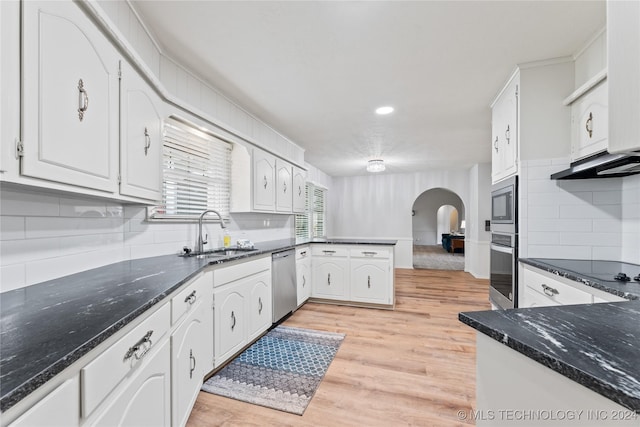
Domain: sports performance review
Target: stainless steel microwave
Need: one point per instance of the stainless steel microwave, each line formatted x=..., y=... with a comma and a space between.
x=504, y=202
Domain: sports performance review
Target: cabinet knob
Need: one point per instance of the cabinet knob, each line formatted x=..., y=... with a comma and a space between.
x=589, y=125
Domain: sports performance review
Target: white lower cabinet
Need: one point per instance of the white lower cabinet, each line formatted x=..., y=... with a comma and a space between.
x=242, y=306
x=60, y=408
x=146, y=398
x=191, y=347
x=303, y=274
x=330, y=273
x=370, y=281
x=540, y=288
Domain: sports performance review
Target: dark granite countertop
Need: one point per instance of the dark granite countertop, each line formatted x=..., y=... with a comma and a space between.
x=578, y=271
x=596, y=345
x=46, y=327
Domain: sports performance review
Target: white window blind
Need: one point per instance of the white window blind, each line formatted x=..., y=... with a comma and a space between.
x=196, y=173
x=302, y=220
x=318, y=212
x=312, y=222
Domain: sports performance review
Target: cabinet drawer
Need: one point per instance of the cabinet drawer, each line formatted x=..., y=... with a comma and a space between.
x=556, y=291
x=185, y=301
x=533, y=298
x=302, y=253
x=235, y=272
x=104, y=373
x=329, y=250
x=370, y=252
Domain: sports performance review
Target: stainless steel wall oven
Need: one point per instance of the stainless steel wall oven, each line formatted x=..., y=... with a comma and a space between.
x=503, y=279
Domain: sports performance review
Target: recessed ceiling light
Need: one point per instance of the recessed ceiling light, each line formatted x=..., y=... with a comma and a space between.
x=384, y=110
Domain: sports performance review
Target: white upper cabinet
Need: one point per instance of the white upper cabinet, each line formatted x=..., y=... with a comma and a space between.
x=70, y=98
x=299, y=190
x=589, y=122
x=264, y=172
x=141, y=112
x=623, y=55
x=504, y=132
x=284, y=186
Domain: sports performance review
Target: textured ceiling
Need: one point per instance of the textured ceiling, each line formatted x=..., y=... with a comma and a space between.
x=316, y=71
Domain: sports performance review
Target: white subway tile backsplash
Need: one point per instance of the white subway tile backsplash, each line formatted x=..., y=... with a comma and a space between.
x=556, y=251
x=543, y=238
x=12, y=277
x=11, y=227
x=541, y=172
x=541, y=186
x=17, y=251
x=83, y=208
x=543, y=211
x=55, y=227
x=591, y=211
x=607, y=253
x=611, y=197
x=542, y=224
x=600, y=184
x=560, y=198
x=590, y=239
x=28, y=204
x=607, y=226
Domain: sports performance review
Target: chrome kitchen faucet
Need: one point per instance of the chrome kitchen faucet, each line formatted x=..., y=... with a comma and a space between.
x=201, y=242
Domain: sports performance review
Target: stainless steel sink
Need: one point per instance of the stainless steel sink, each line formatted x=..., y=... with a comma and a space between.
x=219, y=253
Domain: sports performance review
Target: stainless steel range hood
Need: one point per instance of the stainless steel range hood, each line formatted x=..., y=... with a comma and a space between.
x=602, y=165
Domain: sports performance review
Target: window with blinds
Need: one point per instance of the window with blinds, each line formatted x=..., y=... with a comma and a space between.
x=312, y=222
x=196, y=173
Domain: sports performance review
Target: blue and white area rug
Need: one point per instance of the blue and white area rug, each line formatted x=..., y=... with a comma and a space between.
x=282, y=370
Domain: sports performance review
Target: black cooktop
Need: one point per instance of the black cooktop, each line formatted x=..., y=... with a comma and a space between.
x=606, y=271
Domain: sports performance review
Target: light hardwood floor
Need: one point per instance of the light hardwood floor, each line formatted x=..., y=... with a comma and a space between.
x=411, y=366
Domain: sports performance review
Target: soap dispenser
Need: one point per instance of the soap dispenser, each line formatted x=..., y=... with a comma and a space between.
x=226, y=239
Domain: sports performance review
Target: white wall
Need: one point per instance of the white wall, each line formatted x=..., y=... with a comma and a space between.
x=379, y=206
x=574, y=219
x=477, y=240
x=631, y=219
x=426, y=220
x=45, y=235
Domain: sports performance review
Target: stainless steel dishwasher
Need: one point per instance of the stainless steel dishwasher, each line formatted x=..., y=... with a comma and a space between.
x=283, y=275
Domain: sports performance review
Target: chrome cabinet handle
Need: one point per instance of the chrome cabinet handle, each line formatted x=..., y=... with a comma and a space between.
x=549, y=291
x=589, y=125
x=265, y=182
x=507, y=135
x=303, y=253
x=299, y=190
x=191, y=298
x=368, y=281
x=147, y=141
x=304, y=280
x=285, y=186
x=329, y=279
x=328, y=252
x=495, y=144
x=259, y=305
x=369, y=253
x=144, y=342
x=192, y=363
x=233, y=320
x=83, y=100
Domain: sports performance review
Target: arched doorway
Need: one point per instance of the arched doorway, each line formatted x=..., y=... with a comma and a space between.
x=438, y=216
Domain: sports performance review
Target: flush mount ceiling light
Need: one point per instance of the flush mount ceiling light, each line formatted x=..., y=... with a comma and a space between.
x=384, y=110
x=376, y=165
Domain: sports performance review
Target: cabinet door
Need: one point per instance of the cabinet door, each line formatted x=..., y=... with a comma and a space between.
x=70, y=98
x=60, y=408
x=146, y=399
x=623, y=69
x=303, y=270
x=497, y=152
x=329, y=278
x=230, y=322
x=141, y=137
x=259, y=310
x=590, y=122
x=510, y=130
x=370, y=281
x=284, y=193
x=191, y=360
x=264, y=170
x=299, y=190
